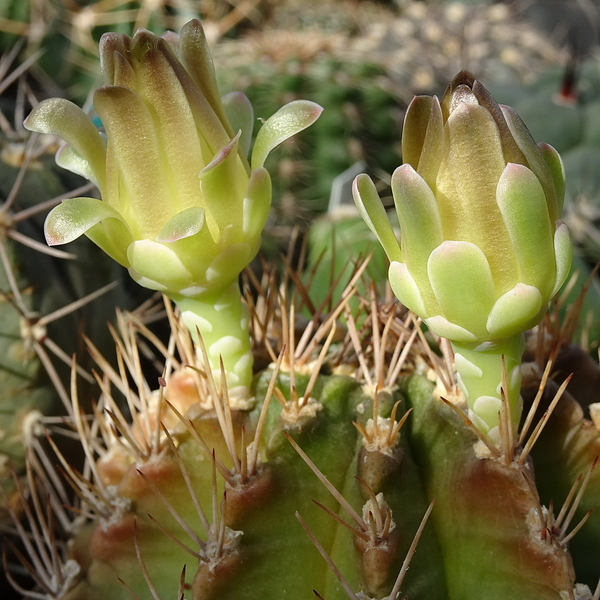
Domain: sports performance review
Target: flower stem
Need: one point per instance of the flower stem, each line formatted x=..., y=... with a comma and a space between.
x=479, y=374
x=221, y=317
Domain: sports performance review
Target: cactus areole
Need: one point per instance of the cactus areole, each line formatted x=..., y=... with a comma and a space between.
x=482, y=249
x=182, y=206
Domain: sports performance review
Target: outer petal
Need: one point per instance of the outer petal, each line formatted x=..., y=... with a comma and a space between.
x=68, y=158
x=462, y=282
x=241, y=116
x=420, y=224
x=563, y=248
x=515, y=312
x=110, y=235
x=100, y=222
x=442, y=327
x=371, y=210
x=405, y=288
x=223, y=184
x=534, y=157
x=257, y=203
x=287, y=121
x=73, y=217
x=522, y=203
x=157, y=267
x=67, y=121
x=422, y=137
x=182, y=225
x=230, y=262
x=557, y=170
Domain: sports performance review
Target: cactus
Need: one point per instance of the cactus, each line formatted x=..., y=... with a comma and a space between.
x=166, y=489
x=353, y=452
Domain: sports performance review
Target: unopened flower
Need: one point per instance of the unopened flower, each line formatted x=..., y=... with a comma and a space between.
x=182, y=208
x=482, y=249
x=183, y=204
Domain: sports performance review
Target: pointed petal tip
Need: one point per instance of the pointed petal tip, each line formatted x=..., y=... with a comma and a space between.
x=405, y=171
x=221, y=155
x=286, y=122
x=360, y=181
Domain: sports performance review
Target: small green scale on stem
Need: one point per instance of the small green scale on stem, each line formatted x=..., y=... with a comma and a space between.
x=221, y=318
x=479, y=371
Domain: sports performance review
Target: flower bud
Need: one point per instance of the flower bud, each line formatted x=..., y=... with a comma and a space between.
x=482, y=250
x=182, y=206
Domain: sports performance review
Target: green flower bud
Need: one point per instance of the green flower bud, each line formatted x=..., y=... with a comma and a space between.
x=182, y=206
x=482, y=250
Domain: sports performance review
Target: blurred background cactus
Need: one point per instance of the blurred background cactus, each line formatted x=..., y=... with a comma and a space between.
x=116, y=477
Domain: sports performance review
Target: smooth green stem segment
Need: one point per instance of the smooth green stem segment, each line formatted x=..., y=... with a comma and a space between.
x=479, y=374
x=222, y=320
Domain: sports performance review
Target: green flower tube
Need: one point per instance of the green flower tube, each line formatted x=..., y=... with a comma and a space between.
x=482, y=249
x=183, y=205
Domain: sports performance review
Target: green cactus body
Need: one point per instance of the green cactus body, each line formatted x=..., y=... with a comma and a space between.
x=488, y=529
x=488, y=511
x=566, y=453
x=270, y=552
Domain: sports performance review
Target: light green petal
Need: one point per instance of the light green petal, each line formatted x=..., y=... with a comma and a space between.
x=182, y=225
x=534, y=157
x=557, y=170
x=257, y=203
x=371, y=209
x=134, y=145
x=515, y=312
x=522, y=203
x=68, y=158
x=157, y=267
x=286, y=122
x=442, y=327
x=405, y=289
x=223, y=183
x=563, y=248
x=64, y=119
x=73, y=217
x=462, y=283
x=422, y=137
x=196, y=56
x=420, y=224
x=241, y=116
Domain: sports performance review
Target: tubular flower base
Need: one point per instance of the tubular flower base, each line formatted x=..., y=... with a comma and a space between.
x=182, y=206
x=482, y=250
